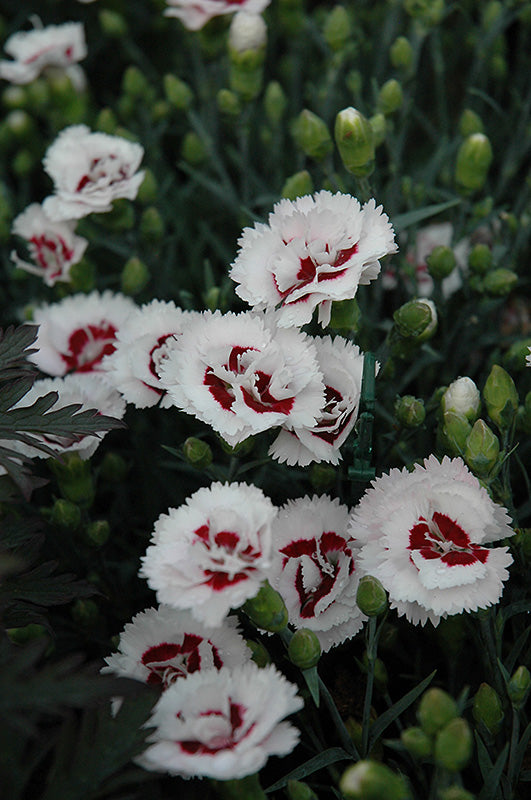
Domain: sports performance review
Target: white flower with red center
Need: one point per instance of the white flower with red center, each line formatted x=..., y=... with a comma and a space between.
x=341, y=364
x=425, y=534
x=163, y=644
x=89, y=171
x=142, y=344
x=528, y=358
x=222, y=723
x=196, y=13
x=315, y=568
x=53, y=246
x=314, y=250
x=212, y=553
x=79, y=331
x=242, y=375
x=33, y=51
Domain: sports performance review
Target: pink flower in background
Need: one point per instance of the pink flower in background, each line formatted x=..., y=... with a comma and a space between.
x=212, y=553
x=53, y=246
x=89, y=171
x=425, y=535
x=222, y=723
x=314, y=250
x=76, y=333
x=196, y=13
x=33, y=51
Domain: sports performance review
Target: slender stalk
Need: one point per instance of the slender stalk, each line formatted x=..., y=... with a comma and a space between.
x=371, y=658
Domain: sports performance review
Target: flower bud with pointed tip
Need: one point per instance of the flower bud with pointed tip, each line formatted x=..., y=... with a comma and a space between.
x=74, y=477
x=371, y=597
x=370, y=780
x=65, y=514
x=417, y=742
x=311, y=134
x=487, y=709
x=346, y=315
x=177, y=92
x=482, y=449
x=470, y=123
x=480, y=259
x=453, y=745
x=355, y=141
x=260, y=655
x=500, y=397
x=112, y=24
x=304, y=649
x=98, y=532
x=462, y=397
x=275, y=102
x=455, y=432
x=416, y=319
x=436, y=709
x=410, y=411
x=518, y=687
x=135, y=276
x=113, y=468
x=193, y=149
x=390, y=97
x=456, y=793
x=297, y=790
x=379, y=128
x=474, y=158
x=337, y=28
x=228, y=103
x=267, y=609
x=297, y=185
x=441, y=262
x=322, y=477
x=197, y=452
x=401, y=53
x=499, y=282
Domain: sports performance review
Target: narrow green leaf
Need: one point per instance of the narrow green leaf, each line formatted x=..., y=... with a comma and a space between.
x=410, y=218
x=484, y=759
x=312, y=682
x=493, y=777
x=324, y=759
x=389, y=716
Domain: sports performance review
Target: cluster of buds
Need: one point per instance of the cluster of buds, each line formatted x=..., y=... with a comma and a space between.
x=484, y=277
x=247, y=46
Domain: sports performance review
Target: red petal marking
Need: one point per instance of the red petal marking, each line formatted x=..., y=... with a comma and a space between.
x=237, y=713
x=481, y=553
x=267, y=402
x=76, y=360
x=220, y=580
x=301, y=547
x=418, y=536
x=430, y=545
x=308, y=600
x=191, y=641
x=428, y=552
x=236, y=719
x=332, y=542
x=455, y=557
x=331, y=436
x=69, y=51
x=451, y=530
x=344, y=255
x=160, y=652
x=235, y=353
x=202, y=533
x=227, y=539
x=307, y=270
x=218, y=663
x=85, y=179
x=159, y=343
x=218, y=390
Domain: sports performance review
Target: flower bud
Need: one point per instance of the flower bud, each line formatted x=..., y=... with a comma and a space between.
x=135, y=83
x=74, y=478
x=28, y=633
x=480, y=259
x=416, y=319
x=454, y=432
x=518, y=687
x=65, y=514
x=121, y=218
x=381, y=676
x=228, y=103
x=275, y=102
x=135, y=275
x=322, y=477
x=410, y=411
x=113, y=468
x=106, y=121
x=112, y=24
x=304, y=649
x=82, y=276
x=177, y=92
x=85, y=612
x=441, y=262
x=416, y=742
x=297, y=185
x=23, y=163
x=345, y=315
x=247, y=44
x=20, y=125
x=297, y=790
x=453, y=745
x=267, y=609
x=370, y=780
x=355, y=141
x=429, y=12
x=98, y=532
x=500, y=282
x=371, y=597
x=247, y=32
x=14, y=97
x=482, y=449
x=456, y=793
x=240, y=450
x=470, y=123
x=516, y=355
x=260, y=655
x=487, y=709
x=337, y=28
x=401, y=53
x=151, y=225
x=197, y=452
x=354, y=81
x=193, y=149
x=501, y=397
x=149, y=188
x=390, y=97
x=379, y=128
x=462, y=397
x=311, y=135
x=474, y=158
x=436, y=710
x=490, y=14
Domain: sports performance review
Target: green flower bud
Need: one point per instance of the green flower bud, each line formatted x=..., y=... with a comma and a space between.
x=381, y=676
x=14, y=97
x=121, y=218
x=355, y=141
x=518, y=687
x=267, y=609
x=480, y=259
x=379, y=128
x=416, y=742
x=416, y=319
x=297, y=790
x=500, y=282
x=135, y=83
x=370, y=780
x=85, y=612
x=410, y=411
x=106, y=121
x=98, y=532
x=240, y=450
x=453, y=745
x=212, y=298
x=483, y=208
x=337, y=28
x=455, y=432
x=177, y=92
x=159, y=109
x=474, y=158
x=193, y=149
x=135, y=276
x=441, y=262
x=297, y=185
x=304, y=649
x=38, y=94
x=487, y=709
x=82, y=276
x=311, y=135
x=482, y=449
x=436, y=710
x=27, y=633
x=322, y=477
x=113, y=24
x=429, y=12
x=501, y=397
x=345, y=315
x=260, y=655
x=354, y=81
x=20, y=125
x=401, y=53
x=390, y=97
x=151, y=225
x=462, y=397
x=74, y=477
x=275, y=102
x=371, y=596
x=66, y=514
x=197, y=452
x=228, y=103
x=247, y=44
x=455, y=793
x=470, y=123
x=113, y=468
x=149, y=188
x=23, y=163
x=490, y=14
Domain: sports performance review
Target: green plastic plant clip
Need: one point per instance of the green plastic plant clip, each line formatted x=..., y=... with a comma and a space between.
x=361, y=469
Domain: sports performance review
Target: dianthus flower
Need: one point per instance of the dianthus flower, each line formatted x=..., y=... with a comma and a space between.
x=424, y=536
x=33, y=51
x=89, y=171
x=341, y=364
x=242, y=375
x=222, y=723
x=315, y=568
x=314, y=250
x=53, y=246
x=163, y=644
x=76, y=333
x=210, y=555
x=196, y=13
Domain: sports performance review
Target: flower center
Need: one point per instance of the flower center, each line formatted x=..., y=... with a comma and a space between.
x=222, y=732
x=87, y=347
x=105, y=171
x=312, y=270
x=50, y=253
x=168, y=661
x=231, y=557
x=442, y=538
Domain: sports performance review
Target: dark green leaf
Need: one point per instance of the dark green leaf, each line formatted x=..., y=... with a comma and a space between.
x=410, y=218
x=330, y=756
x=41, y=587
x=493, y=776
x=389, y=716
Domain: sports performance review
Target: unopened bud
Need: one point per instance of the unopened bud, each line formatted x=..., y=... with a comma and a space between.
x=74, y=477
x=240, y=450
x=121, y=217
x=14, y=97
x=429, y=12
x=135, y=276
x=345, y=315
x=106, y=121
x=297, y=790
x=113, y=468
x=197, y=452
x=228, y=103
x=480, y=259
x=416, y=319
x=355, y=141
x=474, y=158
x=379, y=128
x=134, y=82
x=247, y=32
x=516, y=356
x=82, y=276
x=27, y=633
x=98, y=532
x=20, y=124
x=482, y=449
x=371, y=596
x=455, y=431
x=462, y=397
x=193, y=149
x=23, y=163
x=354, y=81
x=390, y=97
x=151, y=225
x=304, y=649
x=275, y=102
x=297, y=185
x=322, y=477
x=66, y=514
x=247, y=44
x=501, y=397
x=112, y=24
x=416, y=742
x=260, y=656
x=470, y=123
x=401, y=53
x=436, y=710
x=500, y=282
x=177, y=92
x=311, y=134
x=410, y=411
x=487, y=709
x=518, y=687
x=370, y=780
x=85, y=612
x=337, y=28
x=441, y=262
x=453, y=745
x=456, y=793
x=148, y=191
x=491, y=12
x=267, y=609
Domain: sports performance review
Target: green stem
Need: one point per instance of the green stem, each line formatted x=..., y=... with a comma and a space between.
x=344, y=735
x=490, y=644
x=515, y=735
x=371, y=658
x=247, y=788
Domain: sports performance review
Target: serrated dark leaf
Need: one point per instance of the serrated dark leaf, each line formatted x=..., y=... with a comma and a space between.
x=41, y=587
x=15, y=391
x=14, y=344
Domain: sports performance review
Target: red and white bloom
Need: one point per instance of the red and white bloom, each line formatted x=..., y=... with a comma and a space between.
x=89, y=171
x=142, y=344
x=341, y=364
x=212, y=553
x=425, y=534
x=528, y=358
x=242, y=375
x=314, y=250
x=76, y=333
x=53, y=246
x=222, y=724
x=163, y=644
x=196, y=13
x=315, y=568
x=33, y=51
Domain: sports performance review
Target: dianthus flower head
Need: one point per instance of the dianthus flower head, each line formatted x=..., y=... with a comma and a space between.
x=341, y=364
x=424, y=536
x=89, y=171
x=33, y=51
x=242, y=375
x=161, y=645
x=76, y=333
x=222, y=723
x=53, y=246
x=315, y=568
x=314, y=250
x=196, y=13
x=211, y=554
